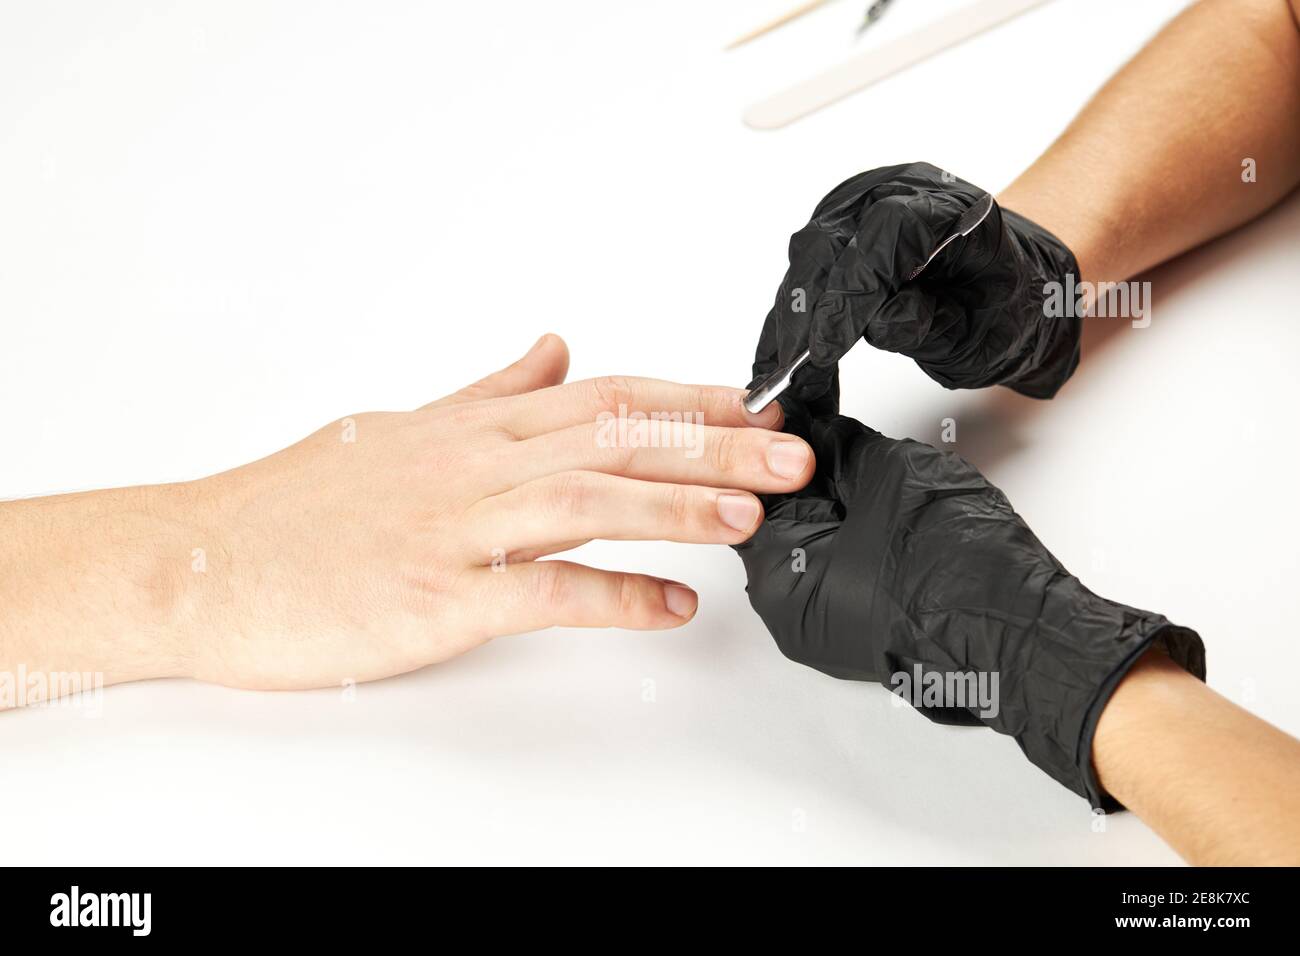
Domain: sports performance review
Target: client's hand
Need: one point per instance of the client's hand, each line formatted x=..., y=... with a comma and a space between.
x=391, y=540
x=419, y=539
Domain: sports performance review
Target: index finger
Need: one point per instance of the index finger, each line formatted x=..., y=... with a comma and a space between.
x=578, y=403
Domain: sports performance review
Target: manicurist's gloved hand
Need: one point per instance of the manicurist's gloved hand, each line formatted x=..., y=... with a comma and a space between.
x=977, y=315
x=898, y=555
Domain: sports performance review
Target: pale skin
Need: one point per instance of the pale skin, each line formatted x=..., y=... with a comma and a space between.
x=1153, y=167
x=343, y=560
x=390, y=541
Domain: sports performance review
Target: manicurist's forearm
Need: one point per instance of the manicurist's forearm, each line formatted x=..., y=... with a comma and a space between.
x=1217, y=783
x=93, y=584
x=1153, y=166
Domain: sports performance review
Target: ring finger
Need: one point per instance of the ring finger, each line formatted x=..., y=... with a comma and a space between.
x=545, y=512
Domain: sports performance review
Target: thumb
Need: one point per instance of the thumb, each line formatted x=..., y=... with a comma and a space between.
x=894, y=238
x=904, y=322
x=545, y=364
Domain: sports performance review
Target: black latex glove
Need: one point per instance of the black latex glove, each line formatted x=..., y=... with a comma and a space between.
x=909, y=556
x=976, y=316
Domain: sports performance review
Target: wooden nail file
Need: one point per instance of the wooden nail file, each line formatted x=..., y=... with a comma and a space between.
x=866, y=68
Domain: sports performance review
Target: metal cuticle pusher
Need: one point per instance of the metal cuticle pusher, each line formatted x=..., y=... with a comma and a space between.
x=770, y=388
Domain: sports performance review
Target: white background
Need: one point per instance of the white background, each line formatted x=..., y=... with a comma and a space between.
x=223, y=225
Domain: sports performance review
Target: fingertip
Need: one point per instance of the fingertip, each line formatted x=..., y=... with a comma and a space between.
x=555, y=342
x=772, y=417
x=680, y=601
x=551, y=354
x=545, y=341
x=812, y=468
x=741, y=512
x=792, y=460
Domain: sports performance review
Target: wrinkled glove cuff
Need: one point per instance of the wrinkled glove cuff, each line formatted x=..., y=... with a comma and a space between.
x=1063, y=747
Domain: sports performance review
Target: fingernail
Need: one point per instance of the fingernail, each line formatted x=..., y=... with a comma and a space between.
x=787, y=458
x=769, y=417
x=537, y=345
x=738, y=511
x=679, y=600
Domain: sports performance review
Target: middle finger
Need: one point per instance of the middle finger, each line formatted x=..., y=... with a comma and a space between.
x=753, y=459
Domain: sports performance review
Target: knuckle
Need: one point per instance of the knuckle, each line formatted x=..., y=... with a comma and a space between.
x=618, y=457
x=704, y=399
x=435, y=581
x=679, y=505
x=629, y=597
x=571, y=493
x=612, y=391
x=724, y=450
x=552, y=585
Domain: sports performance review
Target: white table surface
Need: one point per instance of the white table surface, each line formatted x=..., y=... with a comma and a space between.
x=223, y=225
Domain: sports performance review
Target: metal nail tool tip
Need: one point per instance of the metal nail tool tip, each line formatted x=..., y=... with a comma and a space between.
x=768, y=390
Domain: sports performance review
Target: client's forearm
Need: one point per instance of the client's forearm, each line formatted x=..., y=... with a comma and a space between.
x=1153, y=165
x=91, y=584
x=1217, y=783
